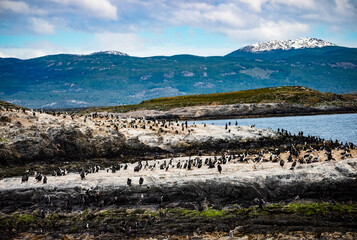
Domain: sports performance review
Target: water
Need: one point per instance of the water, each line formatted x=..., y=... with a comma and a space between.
x=342, y=127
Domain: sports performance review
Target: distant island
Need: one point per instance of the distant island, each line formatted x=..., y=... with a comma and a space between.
x=264, y=102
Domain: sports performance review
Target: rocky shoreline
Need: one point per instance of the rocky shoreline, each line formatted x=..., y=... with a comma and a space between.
x=247, y=110
x=28, y=137
x=268, y=182
x=238, y=183
x=313, y=201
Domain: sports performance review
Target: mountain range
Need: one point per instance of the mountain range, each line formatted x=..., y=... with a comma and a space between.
x=113, y=78
x=287, y=45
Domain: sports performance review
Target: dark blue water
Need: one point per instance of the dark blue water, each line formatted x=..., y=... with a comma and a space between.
x=342, y=127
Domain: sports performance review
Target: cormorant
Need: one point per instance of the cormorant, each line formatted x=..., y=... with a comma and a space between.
x=141, y=180
x=282, y=163
x=82, y=174
x=293, y=165
x=38, y=177
x=219, y=167
x=128, y=182
x=25, y=178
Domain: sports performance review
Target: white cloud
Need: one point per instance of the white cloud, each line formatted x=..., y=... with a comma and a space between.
x=17, y=7
x=209, y=16
x=41, y=26
x=233, y=21
x=103, y=9
x=268, y=30
x=307, y=4
x=122, y=24
x=20, y=7
x=344, y=7
x=255, y=5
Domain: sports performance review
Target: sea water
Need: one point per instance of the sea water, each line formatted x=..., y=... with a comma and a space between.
x=342, y=127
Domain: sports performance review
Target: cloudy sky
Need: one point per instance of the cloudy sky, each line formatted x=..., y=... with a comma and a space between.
x=32, y=28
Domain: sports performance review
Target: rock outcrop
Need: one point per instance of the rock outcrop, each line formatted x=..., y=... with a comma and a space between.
x=29, y=137
x=239, y=111
x=239, y=183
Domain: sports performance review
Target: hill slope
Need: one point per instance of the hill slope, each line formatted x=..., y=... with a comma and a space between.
x=286, y=94
x=108, y=79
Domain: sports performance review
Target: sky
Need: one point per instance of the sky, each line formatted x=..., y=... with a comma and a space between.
x=34, y=28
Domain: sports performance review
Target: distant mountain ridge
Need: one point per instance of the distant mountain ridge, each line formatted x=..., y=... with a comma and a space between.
x=113, y=78
x=287, y=45
x=110, y=52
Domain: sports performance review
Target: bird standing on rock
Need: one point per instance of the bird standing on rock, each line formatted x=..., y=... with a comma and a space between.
x=219, y=167
x=282, y=162
x=128, y=182
x=141, y=181
x=82, y=174
x=38, y=177
x=293, y=165
x=25, y=177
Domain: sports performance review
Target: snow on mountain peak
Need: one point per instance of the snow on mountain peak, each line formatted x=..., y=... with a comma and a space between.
x=112, y=52
x=286, y=45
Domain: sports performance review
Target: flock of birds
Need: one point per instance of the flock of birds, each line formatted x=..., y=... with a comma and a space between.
x=113, y=121
x=295, y=156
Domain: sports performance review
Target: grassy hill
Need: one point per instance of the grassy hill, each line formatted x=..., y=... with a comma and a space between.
x=287, y=94
x=5, y=104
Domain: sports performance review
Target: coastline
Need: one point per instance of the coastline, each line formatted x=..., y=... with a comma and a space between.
x=237, y=111
x=271, y=115
x=311, y=202
x=178, y=203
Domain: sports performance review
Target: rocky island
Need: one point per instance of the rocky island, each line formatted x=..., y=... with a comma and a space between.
x=263, y=102
x=107, y=175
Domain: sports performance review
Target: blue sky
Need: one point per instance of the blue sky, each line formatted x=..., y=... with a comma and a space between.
x=33, y=28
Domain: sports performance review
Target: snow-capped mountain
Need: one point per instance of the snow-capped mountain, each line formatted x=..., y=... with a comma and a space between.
x=286, y=45
x=112, y=52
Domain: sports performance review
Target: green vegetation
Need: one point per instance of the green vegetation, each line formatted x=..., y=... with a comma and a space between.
x=286, y=94
x=5, y=104
x=320, y=208
x=177, y=218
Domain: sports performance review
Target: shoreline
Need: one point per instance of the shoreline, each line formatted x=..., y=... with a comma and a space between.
x=237, y=111
x=270, y=115
x=187, y=204
x=179, y=202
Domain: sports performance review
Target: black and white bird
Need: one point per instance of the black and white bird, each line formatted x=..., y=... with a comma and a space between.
x=38, y=177
x=25, y=177
x=282, y=162
x=82, y=174
x=219, y=167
